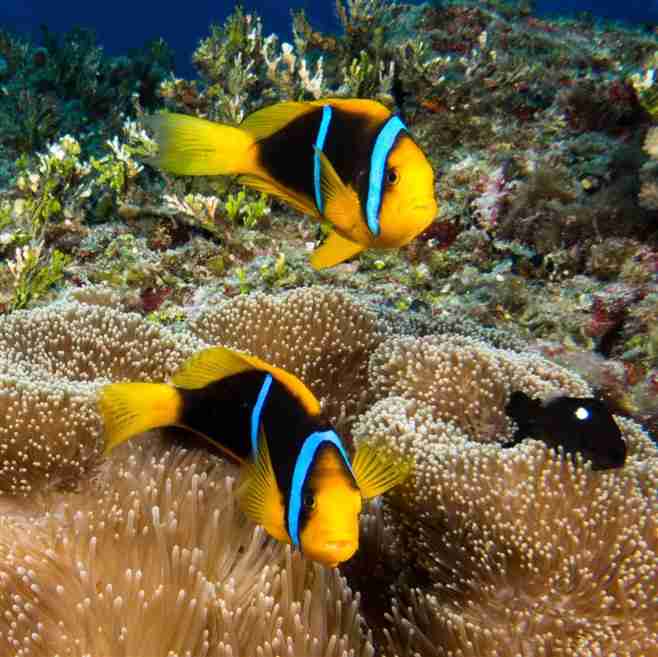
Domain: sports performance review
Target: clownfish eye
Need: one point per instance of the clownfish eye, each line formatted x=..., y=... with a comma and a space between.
x=309, y=501
x=392, y=176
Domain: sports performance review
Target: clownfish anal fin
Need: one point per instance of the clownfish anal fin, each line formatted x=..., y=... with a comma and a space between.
x=258, y=494
x=333, y=250
x=375, y=473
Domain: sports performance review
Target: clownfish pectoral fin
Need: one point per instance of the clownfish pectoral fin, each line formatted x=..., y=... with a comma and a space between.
x=265, y=122
x=188, y=145
x=376, y=473
x=297, y=201
x=258, y=493
x=128, y=409
x=341, y=203
x=333, y=250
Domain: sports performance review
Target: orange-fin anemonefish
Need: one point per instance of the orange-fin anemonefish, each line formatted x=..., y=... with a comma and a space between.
x=297, y=479
x=349, y=161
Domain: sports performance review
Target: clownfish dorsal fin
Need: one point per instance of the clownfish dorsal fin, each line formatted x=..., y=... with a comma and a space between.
x=208, y=366
x=375, y=473
x=333, y=250
x=258, y=494
x=216, y=363
x=373, y=109
x=293, y=383
x=265, y=122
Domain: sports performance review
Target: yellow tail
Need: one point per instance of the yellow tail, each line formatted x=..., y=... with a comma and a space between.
x=196, y=147
x=129, y=409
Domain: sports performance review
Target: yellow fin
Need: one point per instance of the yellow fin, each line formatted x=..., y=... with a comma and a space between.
x=258, y=493
x=129, y=409
x=297, y=201
x=373, y=109
x=192, y=146
x=376, y=473
x=333, y=250
x=293, y=383
x=217, y=363
x=341, y=203
x=208, y=366
x=265, y=122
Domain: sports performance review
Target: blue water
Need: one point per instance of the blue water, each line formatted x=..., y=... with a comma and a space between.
x=124, y=24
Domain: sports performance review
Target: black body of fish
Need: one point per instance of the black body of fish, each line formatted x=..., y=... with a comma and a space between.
x=577, y=424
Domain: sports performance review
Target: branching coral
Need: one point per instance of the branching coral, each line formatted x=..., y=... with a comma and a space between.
x=58, y=86
x=514, y=552
x=243, y=68
x=321, y=336
x=152, y=559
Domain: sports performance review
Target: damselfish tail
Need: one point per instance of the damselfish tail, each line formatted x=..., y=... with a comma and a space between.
x=129, y=409
x=191, y=146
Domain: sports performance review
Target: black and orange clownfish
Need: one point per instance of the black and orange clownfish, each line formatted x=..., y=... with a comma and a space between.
x=576, y=424
x=349, y=161
x=297, y=479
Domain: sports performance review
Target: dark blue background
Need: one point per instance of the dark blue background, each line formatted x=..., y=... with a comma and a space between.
x=124, y=24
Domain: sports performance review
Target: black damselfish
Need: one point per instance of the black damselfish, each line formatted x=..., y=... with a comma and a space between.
x=577, y=424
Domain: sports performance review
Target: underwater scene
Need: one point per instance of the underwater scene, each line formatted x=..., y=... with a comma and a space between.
x=329, y=329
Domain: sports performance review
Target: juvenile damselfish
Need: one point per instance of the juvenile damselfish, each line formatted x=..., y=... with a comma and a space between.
x=577, y=424
x=297, y=479
x=349, y=161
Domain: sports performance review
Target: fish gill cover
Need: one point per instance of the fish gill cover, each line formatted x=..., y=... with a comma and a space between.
x=538, y=276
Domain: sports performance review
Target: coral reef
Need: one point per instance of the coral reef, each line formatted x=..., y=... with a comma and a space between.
x=52, y=361
x=466, y=382
x=540, y=275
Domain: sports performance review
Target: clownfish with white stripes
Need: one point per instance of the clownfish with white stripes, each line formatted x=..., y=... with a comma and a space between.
x=349, y=161
x=297, y=479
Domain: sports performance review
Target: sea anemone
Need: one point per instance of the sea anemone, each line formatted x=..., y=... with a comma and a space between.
x=152, y=559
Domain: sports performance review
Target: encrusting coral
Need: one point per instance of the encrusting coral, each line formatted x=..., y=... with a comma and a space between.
x=484, y=551
x=153, y=559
